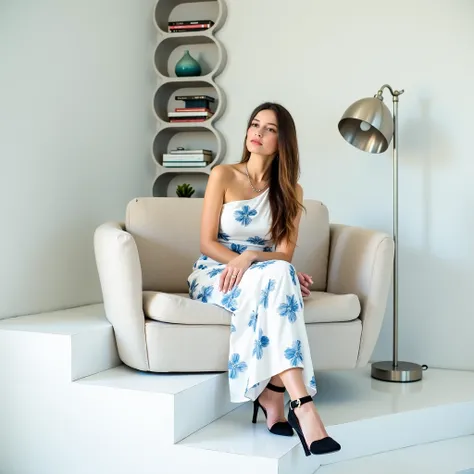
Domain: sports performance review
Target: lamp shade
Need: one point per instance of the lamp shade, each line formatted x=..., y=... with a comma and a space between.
x=368, y=125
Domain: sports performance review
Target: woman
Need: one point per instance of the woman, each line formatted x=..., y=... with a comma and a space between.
x=249, y=229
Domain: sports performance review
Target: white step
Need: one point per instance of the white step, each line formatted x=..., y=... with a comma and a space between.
x=59, y=345
x=183, y=403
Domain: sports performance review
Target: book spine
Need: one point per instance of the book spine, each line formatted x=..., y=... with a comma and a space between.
x=192, y=22
x=191, y=27
x=196, y=164
x=174, y=120
x=168, y=157
x=194, y=97
x=189, y=115
x=192, y=109
x=179, y=29
x=190, y=152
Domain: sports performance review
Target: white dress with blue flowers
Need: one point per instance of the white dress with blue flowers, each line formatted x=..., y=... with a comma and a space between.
x=268, y=333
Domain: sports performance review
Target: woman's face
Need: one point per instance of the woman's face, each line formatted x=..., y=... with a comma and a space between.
x=262, y=135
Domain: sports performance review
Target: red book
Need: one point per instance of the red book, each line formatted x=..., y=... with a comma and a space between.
x=190, y=27
x=188, y=120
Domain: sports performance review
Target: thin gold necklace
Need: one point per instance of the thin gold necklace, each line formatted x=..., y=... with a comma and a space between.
x=250, y=181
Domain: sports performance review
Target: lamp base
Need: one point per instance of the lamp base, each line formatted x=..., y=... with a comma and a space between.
x=403, y=372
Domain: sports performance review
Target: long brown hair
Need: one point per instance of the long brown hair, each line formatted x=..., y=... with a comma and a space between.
x=285, y=171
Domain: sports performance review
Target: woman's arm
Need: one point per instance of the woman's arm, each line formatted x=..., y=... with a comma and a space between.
x=284, y=250
x=212, y=206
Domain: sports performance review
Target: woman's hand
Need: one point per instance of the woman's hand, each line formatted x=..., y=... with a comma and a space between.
x=305, y=282
x=234, y=271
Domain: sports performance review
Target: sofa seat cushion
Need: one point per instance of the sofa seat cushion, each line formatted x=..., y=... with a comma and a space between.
x=322, y=307
x=178, y=308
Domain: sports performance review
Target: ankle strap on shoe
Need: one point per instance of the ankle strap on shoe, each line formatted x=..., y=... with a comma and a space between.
x=274, y=388
x=300, y=401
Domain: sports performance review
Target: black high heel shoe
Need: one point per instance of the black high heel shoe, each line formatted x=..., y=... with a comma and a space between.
x=322, y=446
x=281, y=428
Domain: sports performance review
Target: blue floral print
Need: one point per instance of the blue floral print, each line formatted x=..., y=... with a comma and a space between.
x=205, y=294
x=235, y=366
x=215, y=271
x=262, y=265
x=245, y=215
x=192, y=287
x=260, y=343
x=229, y=301
x=266, y=292
x=256, y=240
x=293, y=353
x=293, y=274
x=223, y=236
x=290, y=308
x=238, y=248
x=253, y=320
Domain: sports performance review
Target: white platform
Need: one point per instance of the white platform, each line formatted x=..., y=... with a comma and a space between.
x=70, y=407
x=366, y=416
x=453, y=456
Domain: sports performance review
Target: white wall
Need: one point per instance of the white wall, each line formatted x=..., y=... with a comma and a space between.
x=316, y=57
x=76, y=127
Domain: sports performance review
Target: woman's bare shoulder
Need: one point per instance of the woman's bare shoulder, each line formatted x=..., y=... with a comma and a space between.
x=224, y=173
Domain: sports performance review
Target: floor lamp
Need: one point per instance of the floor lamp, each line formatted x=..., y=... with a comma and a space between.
x=368, y=125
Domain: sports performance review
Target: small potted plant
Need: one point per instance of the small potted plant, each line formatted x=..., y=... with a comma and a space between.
x=184, y=190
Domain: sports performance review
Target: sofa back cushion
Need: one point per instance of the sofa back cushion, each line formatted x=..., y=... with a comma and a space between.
x=166, y=232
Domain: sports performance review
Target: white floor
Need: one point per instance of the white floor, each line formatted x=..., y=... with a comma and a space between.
x=71, y=407
x=443, y=457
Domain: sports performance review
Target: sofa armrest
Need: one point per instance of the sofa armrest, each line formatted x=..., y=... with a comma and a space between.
x=361, y=262
x=120, y=276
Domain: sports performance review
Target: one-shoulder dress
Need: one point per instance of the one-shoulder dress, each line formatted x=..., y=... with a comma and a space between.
x=268, y=333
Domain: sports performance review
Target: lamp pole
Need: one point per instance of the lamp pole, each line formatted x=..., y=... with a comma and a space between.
x=395, y=371
x=395, y=95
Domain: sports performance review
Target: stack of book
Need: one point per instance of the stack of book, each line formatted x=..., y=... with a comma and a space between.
x=188, y=26
x=181, y=158
x=196, y=109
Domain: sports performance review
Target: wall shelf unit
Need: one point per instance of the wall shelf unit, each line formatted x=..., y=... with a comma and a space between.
x=207, y=50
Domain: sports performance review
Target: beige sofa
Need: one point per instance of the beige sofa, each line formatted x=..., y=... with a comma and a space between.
x=143, y=267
